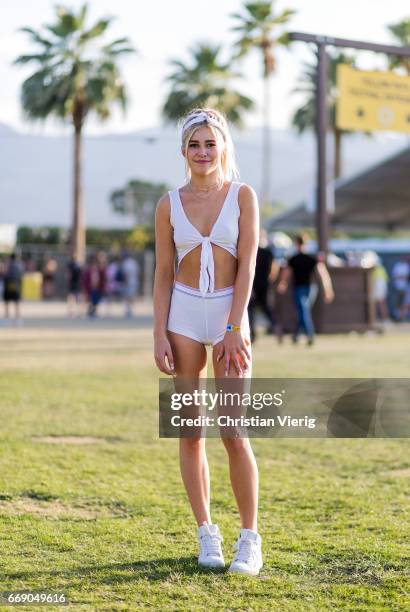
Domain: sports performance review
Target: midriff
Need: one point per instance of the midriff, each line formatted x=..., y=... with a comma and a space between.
x=225, y=268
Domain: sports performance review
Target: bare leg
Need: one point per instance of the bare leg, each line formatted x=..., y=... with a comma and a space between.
x=243, y=472
x=190, y=362
x=384, y=312
x=242, y=465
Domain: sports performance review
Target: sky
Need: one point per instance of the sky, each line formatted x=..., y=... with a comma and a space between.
x=162, y=30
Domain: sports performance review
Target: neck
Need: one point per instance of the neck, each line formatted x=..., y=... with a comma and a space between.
x=204, y=182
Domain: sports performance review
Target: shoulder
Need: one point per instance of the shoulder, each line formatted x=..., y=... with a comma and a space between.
x=163, y=210
x=164, y=203
x=247, y=198
x=246, y=193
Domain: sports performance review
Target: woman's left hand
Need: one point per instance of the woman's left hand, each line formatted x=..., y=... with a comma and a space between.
x=234, y=349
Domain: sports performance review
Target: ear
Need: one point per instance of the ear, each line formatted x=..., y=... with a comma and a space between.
x=183, y=151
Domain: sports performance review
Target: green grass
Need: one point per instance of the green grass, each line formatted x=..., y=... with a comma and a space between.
x=108, y=522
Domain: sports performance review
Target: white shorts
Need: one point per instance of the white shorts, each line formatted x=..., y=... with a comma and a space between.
x=202, y=318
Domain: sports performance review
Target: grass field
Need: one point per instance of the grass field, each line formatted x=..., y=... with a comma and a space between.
x=102, y=515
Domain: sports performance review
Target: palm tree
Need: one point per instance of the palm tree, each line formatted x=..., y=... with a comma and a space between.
x=305, y=116
x=204, y=82
x=401, y=33
x=76, y=73
x=257, y=27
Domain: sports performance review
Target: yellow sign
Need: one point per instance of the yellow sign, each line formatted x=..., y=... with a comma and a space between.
x=372, y=101
x=31, y=286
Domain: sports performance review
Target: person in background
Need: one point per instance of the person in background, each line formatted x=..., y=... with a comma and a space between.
x=266, y=271
x=131, y=270
x=115, y=281
x=407, y=296
x=94, y=282
x=2, y=275
x=380, y=280
x=400, y=276
x=12, y=287
x=73, y=286
x=49, y=274
x=301, y=268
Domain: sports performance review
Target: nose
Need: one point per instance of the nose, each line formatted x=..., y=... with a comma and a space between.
x=203, y=151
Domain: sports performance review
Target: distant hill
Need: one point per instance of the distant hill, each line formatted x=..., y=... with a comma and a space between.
x=6, y=130
x=35, y=171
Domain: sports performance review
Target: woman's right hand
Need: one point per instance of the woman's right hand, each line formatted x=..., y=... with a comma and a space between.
x=163, y=356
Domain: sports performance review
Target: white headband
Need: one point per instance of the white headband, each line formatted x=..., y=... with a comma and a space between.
x=202, y=117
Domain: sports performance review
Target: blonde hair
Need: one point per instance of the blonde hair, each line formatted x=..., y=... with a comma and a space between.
x=215, y=120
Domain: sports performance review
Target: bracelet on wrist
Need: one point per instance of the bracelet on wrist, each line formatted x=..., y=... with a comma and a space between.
x=233, y=328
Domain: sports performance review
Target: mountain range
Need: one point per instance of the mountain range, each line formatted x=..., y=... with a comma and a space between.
x=36, y=183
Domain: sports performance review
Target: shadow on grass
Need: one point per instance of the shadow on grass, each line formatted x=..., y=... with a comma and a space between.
x=153, y=570
x=345, y=570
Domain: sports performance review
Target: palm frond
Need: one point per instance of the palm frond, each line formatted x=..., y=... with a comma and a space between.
x=284, y=39
x=34, y=57
x=401, y=32
x=96, y=30
x=284, y=17
x=260, y=11
x=36, y=37
x=119, y=46
x=121, y=51
x=67, y=23
x=82, y=16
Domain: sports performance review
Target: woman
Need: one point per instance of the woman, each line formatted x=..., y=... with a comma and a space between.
x=94, y=282
x=212, y=224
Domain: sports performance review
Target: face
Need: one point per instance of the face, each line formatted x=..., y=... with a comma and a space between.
x=204, y=152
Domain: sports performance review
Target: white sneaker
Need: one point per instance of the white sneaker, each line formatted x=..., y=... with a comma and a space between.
x=210, y=539
x=248, y=558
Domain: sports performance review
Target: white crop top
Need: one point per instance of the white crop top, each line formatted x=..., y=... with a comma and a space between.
x=224, y=234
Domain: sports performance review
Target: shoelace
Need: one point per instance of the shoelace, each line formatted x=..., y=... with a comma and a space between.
x=211, y=544
x=246, y=551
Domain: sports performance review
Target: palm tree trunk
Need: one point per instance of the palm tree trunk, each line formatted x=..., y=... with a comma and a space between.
x=267, y=145
x=337, y=153
x=78, y=229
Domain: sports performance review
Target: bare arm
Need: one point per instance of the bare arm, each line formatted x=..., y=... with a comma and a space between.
x=274, y=271
x=164, y=277
x=234, y=344
x=247, y=250
x=284, y=279
x=325, y=281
